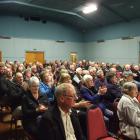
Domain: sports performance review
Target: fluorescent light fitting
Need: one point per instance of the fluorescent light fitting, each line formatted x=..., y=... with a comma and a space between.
x=89, y=8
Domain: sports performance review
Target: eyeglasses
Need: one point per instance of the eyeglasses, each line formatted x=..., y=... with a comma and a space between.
x=71, y=96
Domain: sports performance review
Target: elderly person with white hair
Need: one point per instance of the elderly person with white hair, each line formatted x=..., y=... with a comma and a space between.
x=78, y=76
x=129, y=112
x=77, y=79
x=33, y=106
x=89, y=93
x=100, y=80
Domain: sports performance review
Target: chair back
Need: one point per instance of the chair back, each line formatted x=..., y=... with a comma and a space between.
x=115, y=104
x=96, y=124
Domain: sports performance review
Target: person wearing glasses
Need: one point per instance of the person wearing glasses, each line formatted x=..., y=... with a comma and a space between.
x=60, y=122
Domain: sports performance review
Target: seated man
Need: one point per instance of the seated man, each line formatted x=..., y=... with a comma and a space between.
x=113, y=88
x=100, y=80
x=60, y=122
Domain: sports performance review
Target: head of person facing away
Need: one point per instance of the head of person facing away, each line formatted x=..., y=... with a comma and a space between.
x=65, y=78
x=130, y=89
x=65, y=96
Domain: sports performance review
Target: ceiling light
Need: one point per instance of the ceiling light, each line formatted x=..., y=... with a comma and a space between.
x=89, y=8
x=131, y=6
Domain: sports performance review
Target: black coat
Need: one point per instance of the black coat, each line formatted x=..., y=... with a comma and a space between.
x=113, y=92
x=10, y=93
x=3, y=86
x=30, y=114
x=51, y=126
x=15, y=94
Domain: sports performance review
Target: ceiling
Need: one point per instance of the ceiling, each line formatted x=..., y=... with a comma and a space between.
x=69, y=11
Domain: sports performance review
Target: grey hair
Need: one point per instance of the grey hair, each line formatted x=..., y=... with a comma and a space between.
x=18, y=74
x=78, y=69
x=86, y=77
x=128, y=86
x=62, y=89
x=92, y=69
x=33, y=79
x=99, y=72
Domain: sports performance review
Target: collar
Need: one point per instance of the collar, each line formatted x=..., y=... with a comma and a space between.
x=134, y=99
x=63, y=113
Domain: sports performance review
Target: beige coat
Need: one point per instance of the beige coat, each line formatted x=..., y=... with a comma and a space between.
x=129, y=117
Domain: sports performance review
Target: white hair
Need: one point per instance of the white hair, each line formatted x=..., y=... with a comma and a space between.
x=128, y=86
x=78, y=69
x=92, y=69
x=99, y=72
x=33, y=79
x=86, y=77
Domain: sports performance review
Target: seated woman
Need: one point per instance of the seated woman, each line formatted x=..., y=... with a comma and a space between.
x=46, y=86
x=129, y=112
x=89, y=93
x=33, y=106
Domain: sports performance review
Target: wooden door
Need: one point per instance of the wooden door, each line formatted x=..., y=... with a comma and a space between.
x=40, y=57
x=73, y=57
x=33, y=57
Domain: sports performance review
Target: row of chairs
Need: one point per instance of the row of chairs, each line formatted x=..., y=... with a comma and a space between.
x=96, y=128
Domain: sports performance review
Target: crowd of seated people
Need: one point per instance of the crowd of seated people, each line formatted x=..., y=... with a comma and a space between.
x=95, y=83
